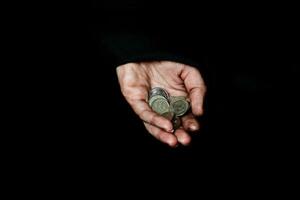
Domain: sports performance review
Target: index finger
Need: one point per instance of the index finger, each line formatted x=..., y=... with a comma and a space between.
x=143, y=110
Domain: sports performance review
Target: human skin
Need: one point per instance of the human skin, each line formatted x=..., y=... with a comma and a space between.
x=137, y=79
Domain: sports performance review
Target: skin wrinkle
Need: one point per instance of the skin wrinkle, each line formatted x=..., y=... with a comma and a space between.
x=157, y=75
x=184, y=74
x=131, y=94
x=175, y=81
x=147, y=75
x=153, y=118
x=136, y=79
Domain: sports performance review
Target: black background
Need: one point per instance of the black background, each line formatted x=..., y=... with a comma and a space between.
x=252, y=76
x=251, y=68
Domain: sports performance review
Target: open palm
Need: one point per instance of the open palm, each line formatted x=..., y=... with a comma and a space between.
x=137, y=79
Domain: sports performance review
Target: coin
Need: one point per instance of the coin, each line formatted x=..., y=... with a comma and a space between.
x=158, y=91
x=159, y=104
x=168, y=115
x=176, y=122
x=174, y=98
x=153, y=98
x=179, y=105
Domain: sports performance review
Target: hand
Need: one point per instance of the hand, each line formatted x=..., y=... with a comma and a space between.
x=137, y=79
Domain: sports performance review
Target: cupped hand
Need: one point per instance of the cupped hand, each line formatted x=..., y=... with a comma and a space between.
x=137, y=79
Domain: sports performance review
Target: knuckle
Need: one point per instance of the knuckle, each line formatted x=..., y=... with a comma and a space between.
x=143, y=115
x=152, y=118
x=202, y=89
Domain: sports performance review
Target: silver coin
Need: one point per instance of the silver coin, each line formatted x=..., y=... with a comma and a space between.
x=168, y=115
x=160, y=105
x=179, y=105
x=158, y=91
x=176, y=98
x=153, y=98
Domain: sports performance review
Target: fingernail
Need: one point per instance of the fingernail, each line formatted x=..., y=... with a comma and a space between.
x=170, y=131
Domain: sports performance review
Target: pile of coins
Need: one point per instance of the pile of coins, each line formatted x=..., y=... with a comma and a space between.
x=170, y=107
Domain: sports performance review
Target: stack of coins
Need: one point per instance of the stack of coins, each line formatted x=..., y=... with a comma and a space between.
x=158, y=100
x=170, y=107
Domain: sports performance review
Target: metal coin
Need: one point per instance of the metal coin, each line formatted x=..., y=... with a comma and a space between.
x=175, y=98
x=160, y=105
x=158, y=91
x=153, y=98
x=168, y=115
x=179, y=105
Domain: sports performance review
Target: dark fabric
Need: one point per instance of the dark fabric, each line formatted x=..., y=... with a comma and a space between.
x=137, y=31
x=144, y=30
x=250, y=62
x=249, y=58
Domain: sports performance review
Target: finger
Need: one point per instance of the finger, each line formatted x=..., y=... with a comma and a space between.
x=190, y=123
x=147, y=115
x=161, y=135
x=183, y=137
x=195, y=87
x=137, y=100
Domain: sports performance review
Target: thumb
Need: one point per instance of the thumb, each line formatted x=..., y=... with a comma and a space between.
x=195, y=87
